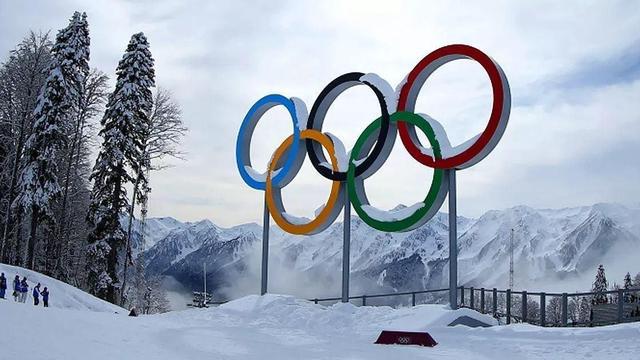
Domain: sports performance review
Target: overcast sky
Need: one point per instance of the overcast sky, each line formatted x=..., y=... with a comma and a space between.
x=573, y=67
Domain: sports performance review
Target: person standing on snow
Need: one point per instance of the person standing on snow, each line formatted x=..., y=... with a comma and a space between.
x=45, y=297
x=24, y=289
x=36, y=295
x=16, y=288
x=3, y=285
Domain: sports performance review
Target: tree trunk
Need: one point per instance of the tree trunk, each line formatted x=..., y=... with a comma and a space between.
x=62, y=235
x=18, y=260
x=32, y=238
x=112, y=295
x=12, y=185
x=127, y=250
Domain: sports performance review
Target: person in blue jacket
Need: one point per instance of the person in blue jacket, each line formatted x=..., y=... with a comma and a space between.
x=16, y=288
x=45, y=297
x=3, y=285
x=36, y=295
x=24, y=289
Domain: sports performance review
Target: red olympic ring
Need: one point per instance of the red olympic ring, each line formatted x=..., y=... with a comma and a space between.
x=499, y=111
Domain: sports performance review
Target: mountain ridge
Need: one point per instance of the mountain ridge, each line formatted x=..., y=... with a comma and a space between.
x=548, y=243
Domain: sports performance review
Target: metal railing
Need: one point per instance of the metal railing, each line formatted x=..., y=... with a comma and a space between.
x=555, y=309
x=364, y=298
x=412, y=295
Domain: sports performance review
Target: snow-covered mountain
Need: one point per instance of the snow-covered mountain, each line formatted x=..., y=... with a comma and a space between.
x=549, y=245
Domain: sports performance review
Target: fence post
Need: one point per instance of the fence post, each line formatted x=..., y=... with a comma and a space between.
x=472, y=303
x=413, y=299
x=315, y=301
x=508, y=306
x=364, y=300
x=565, y=305
x=543, y=309
x=462, y=295
x=524, y=306
x=620, y=305
x=482, y=300
x=494, y=300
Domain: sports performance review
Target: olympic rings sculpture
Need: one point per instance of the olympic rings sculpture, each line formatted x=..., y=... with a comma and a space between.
x=347, y=171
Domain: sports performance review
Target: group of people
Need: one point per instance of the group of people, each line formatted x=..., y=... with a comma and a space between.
x=21, y=289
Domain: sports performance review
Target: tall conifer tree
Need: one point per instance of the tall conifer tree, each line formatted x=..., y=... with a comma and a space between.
x=600, y=286
x=125, y=126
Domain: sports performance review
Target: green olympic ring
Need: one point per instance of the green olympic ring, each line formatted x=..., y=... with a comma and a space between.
x=424, y=210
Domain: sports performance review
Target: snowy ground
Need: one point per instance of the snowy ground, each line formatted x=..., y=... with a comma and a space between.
x=61, y=295
x=282, y=327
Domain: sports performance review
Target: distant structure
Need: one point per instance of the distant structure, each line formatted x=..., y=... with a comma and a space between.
x=511, y=260
x=202, y=299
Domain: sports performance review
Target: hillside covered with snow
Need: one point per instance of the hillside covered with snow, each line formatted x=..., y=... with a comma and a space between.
x=283, y=327
x=61, y=295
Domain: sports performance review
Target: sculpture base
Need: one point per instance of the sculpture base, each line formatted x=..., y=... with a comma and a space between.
x=406, y=338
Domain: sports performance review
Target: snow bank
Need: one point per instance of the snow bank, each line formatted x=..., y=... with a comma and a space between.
x=290, y=312
x=61, y=295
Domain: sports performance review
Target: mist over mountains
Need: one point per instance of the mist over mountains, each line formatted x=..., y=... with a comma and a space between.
x=553, y=249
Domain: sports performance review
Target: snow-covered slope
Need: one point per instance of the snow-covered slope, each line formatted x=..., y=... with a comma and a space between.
x=551, y=245
x=282, y=327
x=61, y=295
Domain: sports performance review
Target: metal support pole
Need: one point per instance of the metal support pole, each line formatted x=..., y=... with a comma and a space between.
x=565, y=306
x=453, y=240
x=482, y=300
x=543, y=309
x=524, y=306
x=508, y=306
x=494, y=300
x=413, y=299
x=265, y=248
x=461, y=295
x=472, y=302
x=620, y=305
x=364, y=300
x=346, y=246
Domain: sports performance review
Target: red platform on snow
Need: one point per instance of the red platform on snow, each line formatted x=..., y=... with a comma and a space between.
x=406, y=338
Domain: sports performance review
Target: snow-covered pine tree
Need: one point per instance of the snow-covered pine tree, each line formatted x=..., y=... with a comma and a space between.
x=39, y=188
x=584, y=310
x=573, y=308
x=125, y=126
x=554, y=311
x=628, y=284
x=600, y=286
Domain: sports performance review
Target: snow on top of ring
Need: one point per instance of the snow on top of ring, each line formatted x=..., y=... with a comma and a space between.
x=319, y=210
x=301, y=113
x=446, y=149
x=295, y=220
x=399, y=213
x=342, y=156
x=258, y=176
x=390, y=98
x=400, y=86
